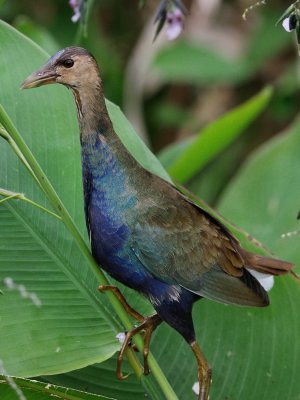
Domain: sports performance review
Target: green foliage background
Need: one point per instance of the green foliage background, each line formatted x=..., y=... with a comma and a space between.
x=70, y=339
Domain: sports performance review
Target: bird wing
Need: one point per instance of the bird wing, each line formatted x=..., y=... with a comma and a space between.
x=178, y=242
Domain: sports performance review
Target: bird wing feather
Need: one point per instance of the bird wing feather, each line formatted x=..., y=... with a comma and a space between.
x=179, y=242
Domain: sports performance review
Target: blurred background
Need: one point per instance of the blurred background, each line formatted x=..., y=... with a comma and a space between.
x=170, y=90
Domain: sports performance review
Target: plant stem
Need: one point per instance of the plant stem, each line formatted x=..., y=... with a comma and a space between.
x=26, y=156
x=19, y=196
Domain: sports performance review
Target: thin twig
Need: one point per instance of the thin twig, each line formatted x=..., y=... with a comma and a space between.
x=8, y=195
x=250, y=8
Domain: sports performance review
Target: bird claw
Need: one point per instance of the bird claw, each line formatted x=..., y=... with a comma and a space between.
x=148, y=325
x=122, y=377
x=146, y=368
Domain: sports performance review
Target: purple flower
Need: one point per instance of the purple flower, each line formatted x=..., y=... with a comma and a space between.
x=170, y=13
x=174, y=20
x=76, y=7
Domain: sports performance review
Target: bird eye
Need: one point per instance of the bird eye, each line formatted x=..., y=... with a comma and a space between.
x=68, y=63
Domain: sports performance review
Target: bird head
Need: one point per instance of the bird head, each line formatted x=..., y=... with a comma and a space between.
x=69, y=67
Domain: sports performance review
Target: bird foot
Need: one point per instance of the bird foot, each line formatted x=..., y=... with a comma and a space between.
x=148, y=326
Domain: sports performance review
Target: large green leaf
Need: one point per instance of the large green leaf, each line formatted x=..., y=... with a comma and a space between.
x=14, y=388
x=268, y=185
x=264, y=199
x=88, y=379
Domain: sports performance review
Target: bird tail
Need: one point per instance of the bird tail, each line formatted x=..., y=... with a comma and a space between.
x=267, y=265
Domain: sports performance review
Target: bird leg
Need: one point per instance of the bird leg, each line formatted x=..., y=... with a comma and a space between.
x=204, y=372
x=127, y=307
x=148, y=325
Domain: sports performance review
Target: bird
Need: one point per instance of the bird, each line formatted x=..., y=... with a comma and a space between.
x=144, y=231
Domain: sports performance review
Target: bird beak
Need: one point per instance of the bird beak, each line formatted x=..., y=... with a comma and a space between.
x=43, y=76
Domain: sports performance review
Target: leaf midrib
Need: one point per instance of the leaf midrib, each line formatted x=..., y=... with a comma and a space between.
x=65, y=266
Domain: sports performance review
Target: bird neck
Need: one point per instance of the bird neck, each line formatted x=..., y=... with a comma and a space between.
x=103, y=154
x=92, y=113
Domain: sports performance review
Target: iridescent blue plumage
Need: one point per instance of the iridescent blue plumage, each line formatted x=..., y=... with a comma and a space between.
x=106, y=204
